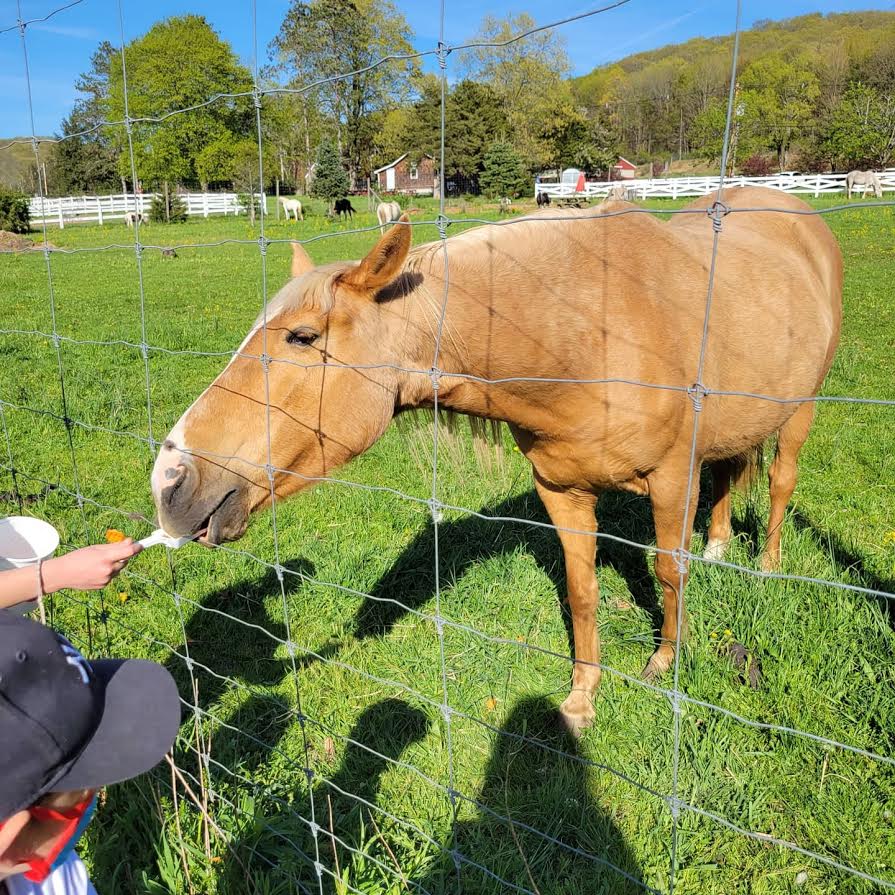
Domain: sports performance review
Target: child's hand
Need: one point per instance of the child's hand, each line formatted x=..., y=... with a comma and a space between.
x=89, y=568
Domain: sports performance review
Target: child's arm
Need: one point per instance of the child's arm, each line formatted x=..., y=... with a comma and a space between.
x=89, y=568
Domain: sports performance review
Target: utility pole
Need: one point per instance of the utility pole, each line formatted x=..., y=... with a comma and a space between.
x=739, y=110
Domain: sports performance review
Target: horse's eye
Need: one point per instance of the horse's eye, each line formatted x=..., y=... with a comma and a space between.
x=302, y=336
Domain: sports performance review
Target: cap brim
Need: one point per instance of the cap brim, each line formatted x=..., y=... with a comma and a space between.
x=140, y=719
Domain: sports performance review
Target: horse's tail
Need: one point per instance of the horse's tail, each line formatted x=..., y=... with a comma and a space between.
x=745, y=469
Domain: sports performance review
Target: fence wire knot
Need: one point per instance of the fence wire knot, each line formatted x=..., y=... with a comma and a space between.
x=265, y=360
x=257, y=93
x=716, y=212
x=442, y=222
x=697, y=393
x=128, y=125
x=680, y=560
x=675, y=805
x=435, y=376
x=442, y=52
x=263, y=243
x=435, y=510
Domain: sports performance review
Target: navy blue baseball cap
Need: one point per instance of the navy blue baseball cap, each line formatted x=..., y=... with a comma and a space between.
x=69, y=724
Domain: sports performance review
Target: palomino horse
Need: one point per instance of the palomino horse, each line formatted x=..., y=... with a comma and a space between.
x=546, y=325
x=293, y=206
x=861, y=181
x=386, y=212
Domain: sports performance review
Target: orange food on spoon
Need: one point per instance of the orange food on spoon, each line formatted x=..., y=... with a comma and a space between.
x=113, y=536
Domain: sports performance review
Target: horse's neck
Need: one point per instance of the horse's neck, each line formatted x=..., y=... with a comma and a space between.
x=488, y=331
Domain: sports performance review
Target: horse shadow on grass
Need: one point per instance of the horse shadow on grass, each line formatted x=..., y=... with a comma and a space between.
x=847, y=558
x=410, y=582
x=536, y=823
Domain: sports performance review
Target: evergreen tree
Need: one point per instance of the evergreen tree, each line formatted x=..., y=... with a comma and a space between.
x=503, y=174
x=330, y=180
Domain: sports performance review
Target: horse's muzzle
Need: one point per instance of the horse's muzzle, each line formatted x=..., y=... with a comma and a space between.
x=194, y=497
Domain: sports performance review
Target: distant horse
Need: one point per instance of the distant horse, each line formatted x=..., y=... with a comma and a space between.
x=543, y=199
x=545, y=325
x=134, y=217
x=863, y=181
x=292, y=206
x=386, y=212
x=506, y=205
x=344, y=207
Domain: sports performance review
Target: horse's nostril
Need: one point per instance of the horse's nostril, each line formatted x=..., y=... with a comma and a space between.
x=177, y=475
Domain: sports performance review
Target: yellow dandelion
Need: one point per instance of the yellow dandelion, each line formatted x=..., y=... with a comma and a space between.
x=216, y=859
x=123, y=597
x=889, y=538
x=714, y=635
x=516, y=448
x=490, y=704
x=728, y=632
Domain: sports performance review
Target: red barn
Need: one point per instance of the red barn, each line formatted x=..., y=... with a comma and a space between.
x=623, y=169
x=404, y=176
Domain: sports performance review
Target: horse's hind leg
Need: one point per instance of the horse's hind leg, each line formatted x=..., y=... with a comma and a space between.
x=720, y=530
x=576, y=510
x=782, y=477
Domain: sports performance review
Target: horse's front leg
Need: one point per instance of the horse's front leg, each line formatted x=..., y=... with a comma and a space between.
x=573, y=509
x=668, y=495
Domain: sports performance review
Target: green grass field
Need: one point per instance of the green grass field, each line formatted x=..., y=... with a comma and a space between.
x=383, y=759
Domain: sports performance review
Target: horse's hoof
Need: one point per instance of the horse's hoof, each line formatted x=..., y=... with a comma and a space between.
x=770, y=563
x=715, y=549
x=658, y=664
x=577, y=713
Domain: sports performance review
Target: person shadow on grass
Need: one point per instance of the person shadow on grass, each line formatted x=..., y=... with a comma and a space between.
x=275, y=851
x=537, y=826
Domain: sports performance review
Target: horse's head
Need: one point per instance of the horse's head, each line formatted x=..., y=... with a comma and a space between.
x=302, y=395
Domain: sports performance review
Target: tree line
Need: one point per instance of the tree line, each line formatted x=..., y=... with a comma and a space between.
x=817, y=92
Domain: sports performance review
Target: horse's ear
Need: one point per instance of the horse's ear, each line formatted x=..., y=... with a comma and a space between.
x=301, y=260
x=384, y=262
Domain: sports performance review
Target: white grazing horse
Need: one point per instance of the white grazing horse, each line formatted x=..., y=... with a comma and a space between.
x=134, y=217
x=386, y=212
x=861, y=181
x=293, y=206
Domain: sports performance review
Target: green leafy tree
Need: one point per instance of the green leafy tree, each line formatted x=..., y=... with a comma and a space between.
x=781, y=95
x=476, y=119
x=503, y=173
x=330, y=180
x=179, y=63
x=86, y=160
x=321, y=39
x=528, y=76
x=860, y=130
x=215, y=162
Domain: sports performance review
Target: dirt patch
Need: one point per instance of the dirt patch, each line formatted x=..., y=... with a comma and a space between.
x=13, y=242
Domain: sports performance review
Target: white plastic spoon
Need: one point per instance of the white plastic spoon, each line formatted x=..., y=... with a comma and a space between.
x=161, y=538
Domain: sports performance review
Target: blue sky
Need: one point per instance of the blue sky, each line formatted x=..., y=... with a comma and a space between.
x=60, y=48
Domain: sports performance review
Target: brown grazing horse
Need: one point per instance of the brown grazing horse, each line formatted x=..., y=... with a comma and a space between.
x=580, y=298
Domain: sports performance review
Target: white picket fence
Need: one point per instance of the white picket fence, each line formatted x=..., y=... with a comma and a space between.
x=680, y=187
x=99, y=209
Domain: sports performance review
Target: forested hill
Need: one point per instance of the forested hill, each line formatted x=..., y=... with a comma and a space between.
x=665, y=101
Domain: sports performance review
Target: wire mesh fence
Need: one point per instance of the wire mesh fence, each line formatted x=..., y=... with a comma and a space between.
x=311, y=758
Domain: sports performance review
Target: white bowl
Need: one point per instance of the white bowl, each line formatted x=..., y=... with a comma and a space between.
x=24, y=540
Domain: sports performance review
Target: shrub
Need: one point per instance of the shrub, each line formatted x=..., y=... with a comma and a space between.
x=174, y=212
x=756, y=166
x=15, y=212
